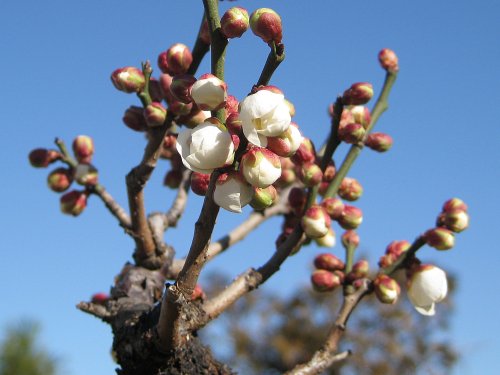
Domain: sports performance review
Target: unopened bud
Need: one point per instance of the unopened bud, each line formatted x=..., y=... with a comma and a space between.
x=234, y=22
x=350, y=239
x=351, y=133
x=379, y=142
x=41, y=157
x=199, y=183
x=305, y=153
x=198, y=293
x=234, y=124
x=350, y=189
x=315, y=222
x=329, y=262
x=334, y=207
x=359, y=270
x=83, y=148
x=351, y=217
x=260, y=167
x=397, y=248
x=231, y=105
x=128, y=79
x=388, y=60
x=266, y=24
x=178, y=59
x=310, y=174
x=181, y=87
x=328, y=240
x=155, y=114
x=297, y=199
x=440, y=238
x=59, y=179
x=386, y=288
x=325, y=281
x=287, y=142
x=358, y=94
x=454, y=220
x=134, y=118
x=209, y=93
x=73, y=202
x=100, y=298
x=180, y=109
x=263, y=198
x=360, y=115
x=454, y=204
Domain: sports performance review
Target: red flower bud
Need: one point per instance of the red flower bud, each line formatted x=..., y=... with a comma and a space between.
x=297, y=199
x=334, y=207
x=440, y=238
x=234, y=22
x=305, y=153
x=59, y=179
x=178, y=58
x=155, y=114
x=100, y=298
x=386, y=288
x=359, y=270
x=74, y=202
x=388, y=60
x=83, y=148
x=181, y=87
x=351, y=217
x=455, y=220
x=454, y=204
x=315, y=222
x=350, y=238
x=266, y=24
x=379, y=142
x=325, y=281
x=310, y=174
x=199, y=183
x=351, y=133
x=198, y=293
x=329, y=262
x=358, y=94
x=128, y=79
x=41, y=157
x=231, y=105
x=134, y=118
x=350, y=189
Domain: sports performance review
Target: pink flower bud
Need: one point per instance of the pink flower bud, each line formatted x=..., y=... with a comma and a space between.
x=168, y=148
x=287, y=178
x=351, y=217
x=232, y=192
x=440, y=238
x=397, y=248
x=233, y=124
x=234, y=22
x=358, y=94
x=310, y=174
x=178, y=59
x=329, y=262
x=181, y=87
x=334, y=207
x=360, y=115
x=263, y=198
x=100, y=298
x=359, y=270
x=209, y=93
x=155, y=114
x=86, y=174
x=388, y=60
x=41, y=157
x=134, y=118
x=173, y=178
x=350, y=189
x=83, y=148
x=350, y=238
x=351, y=133
x=379, y=142
x=260, y=167
x=325, y=281
x=163, y=62
x=128, y=79
x=180, y=109
x=329, y=173
x=287, y=142
x=328, y=240
x=198, y=293
x=454, y=204
x=455, y=220
x=387, y=289
x=165, y=82
x=305, y=153
x=199, y=183
x=387, y=260
x=315, y=222
x=427, y=285
x=231, y=105
x=74, y=202
x=266, y=24
x=59, y=179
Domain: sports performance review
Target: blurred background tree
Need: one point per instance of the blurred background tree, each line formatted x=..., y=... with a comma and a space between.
x=268, y=334
x=21, y=354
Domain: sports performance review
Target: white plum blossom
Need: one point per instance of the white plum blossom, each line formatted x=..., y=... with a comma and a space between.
x=209, y=92
x=232, y=193
x=316, y=222
x=260, y=167
x=427, y=285
x=264, y=114
x=205, y=147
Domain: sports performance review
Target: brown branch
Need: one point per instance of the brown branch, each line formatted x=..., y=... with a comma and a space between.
x=111, y=205
x=179, y=204
x=326, y=355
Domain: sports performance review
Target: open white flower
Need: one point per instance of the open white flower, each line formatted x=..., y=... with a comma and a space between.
x=232, y=192
x=427, y=286
x=264, y=114
x=206, y=147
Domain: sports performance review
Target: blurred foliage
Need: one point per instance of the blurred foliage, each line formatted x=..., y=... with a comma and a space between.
x=20, y=354
x=269, y=334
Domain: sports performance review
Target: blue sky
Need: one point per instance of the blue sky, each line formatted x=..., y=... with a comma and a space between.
x=56, y=60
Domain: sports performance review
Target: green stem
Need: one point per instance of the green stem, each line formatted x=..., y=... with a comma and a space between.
x=67, y=158
x=218, y=47
x=349, y=258
x=144, y=94
x=380, y=107
x=274, y=59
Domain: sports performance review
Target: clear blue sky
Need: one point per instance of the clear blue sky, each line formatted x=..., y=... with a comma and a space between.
x=56, y=58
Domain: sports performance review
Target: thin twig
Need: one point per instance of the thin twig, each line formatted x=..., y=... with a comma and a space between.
x=111, y=205
x=274, y=59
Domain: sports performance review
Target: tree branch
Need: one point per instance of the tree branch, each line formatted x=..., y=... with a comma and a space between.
x=111, y=205
x=274, y=59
